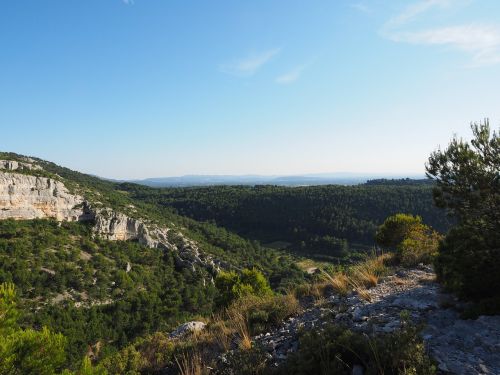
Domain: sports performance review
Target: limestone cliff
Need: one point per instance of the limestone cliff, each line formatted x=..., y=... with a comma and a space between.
x=116, y=226
x=26, y=197
x=30, y=197
x=13, y=165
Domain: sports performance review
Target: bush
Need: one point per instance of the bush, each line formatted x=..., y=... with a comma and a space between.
x=468, y=186
x=26, y=351
x=32, y=352
x=263, y=313
x=420, y=246
x=395, y=229
x=149, y=354
x=413, y=241
x=232, y=286
x=469, y=264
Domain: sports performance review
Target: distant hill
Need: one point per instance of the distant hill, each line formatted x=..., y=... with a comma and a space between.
x=279, y=180
x=400, y=182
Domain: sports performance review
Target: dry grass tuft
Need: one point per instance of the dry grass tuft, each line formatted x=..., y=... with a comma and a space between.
x=191, y=364
x=321, y=301
x=364, y=276
x=339, y=282
x=275, y=308
x=364, y=294
x=367, y=273
x=316, y=289
x=219, y=333
x=378, y=265
x=239, y=323
x=302, y=290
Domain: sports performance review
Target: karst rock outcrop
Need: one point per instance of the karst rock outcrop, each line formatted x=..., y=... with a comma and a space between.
x=32, y=197
x=25, y=197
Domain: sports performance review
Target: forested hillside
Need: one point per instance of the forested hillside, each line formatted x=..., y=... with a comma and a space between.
x=107, y=293
x=314, y=220
x=84, y=274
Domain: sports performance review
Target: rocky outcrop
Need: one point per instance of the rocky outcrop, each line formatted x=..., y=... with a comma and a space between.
x=13, y=165
x=187, y=328
x=25, y=197
x=30, y=197
x=463, y=346
x=459, y=346
x=116, y=226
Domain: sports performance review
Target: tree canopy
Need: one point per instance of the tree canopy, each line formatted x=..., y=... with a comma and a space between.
x=467, y=176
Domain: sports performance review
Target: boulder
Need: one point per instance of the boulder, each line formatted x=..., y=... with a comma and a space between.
x=187, y=328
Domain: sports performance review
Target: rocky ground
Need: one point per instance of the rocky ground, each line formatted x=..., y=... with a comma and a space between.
x=458, y=346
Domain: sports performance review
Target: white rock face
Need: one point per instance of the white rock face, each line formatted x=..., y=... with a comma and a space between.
x=25, y=197
x=116, y=226
x=12, y=165
x=188, y=327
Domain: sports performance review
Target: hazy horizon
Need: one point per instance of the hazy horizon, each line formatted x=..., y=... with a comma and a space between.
x=317, y=175
x=142, y=89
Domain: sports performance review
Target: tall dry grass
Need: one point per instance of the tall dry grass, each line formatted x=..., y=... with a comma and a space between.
x=191, y=364
x=339, y=282
x=220, y=333
x=252, y=314
x=239, y=322
x=316, y=290
x=367, y=273
x=360, y=277
x=364, y=277
x=361, y=290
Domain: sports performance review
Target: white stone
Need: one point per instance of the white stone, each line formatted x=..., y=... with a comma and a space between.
x=25, y=197
x=188, y=327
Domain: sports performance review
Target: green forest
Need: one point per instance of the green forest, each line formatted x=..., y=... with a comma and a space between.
x=94, y=290
x=74, y=303
x=327, y=221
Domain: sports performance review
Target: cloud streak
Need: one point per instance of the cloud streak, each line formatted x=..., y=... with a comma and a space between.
x=414, y=10
x=480, y=41
x=290, y=76
x=249, y=65
x=360, y=7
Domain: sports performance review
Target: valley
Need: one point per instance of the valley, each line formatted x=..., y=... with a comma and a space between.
x=126, y=279
x=249, y=187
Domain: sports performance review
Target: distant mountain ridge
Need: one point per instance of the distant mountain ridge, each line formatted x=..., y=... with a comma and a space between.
x=280, y=180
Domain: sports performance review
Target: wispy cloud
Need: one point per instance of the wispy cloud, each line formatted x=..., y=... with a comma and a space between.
x=290, y=76
x=480, y=41
x=128, y=2
x=416, y=9
x=249, y=65
x=360, y=7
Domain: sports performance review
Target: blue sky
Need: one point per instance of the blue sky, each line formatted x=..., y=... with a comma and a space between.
x=144, y=88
